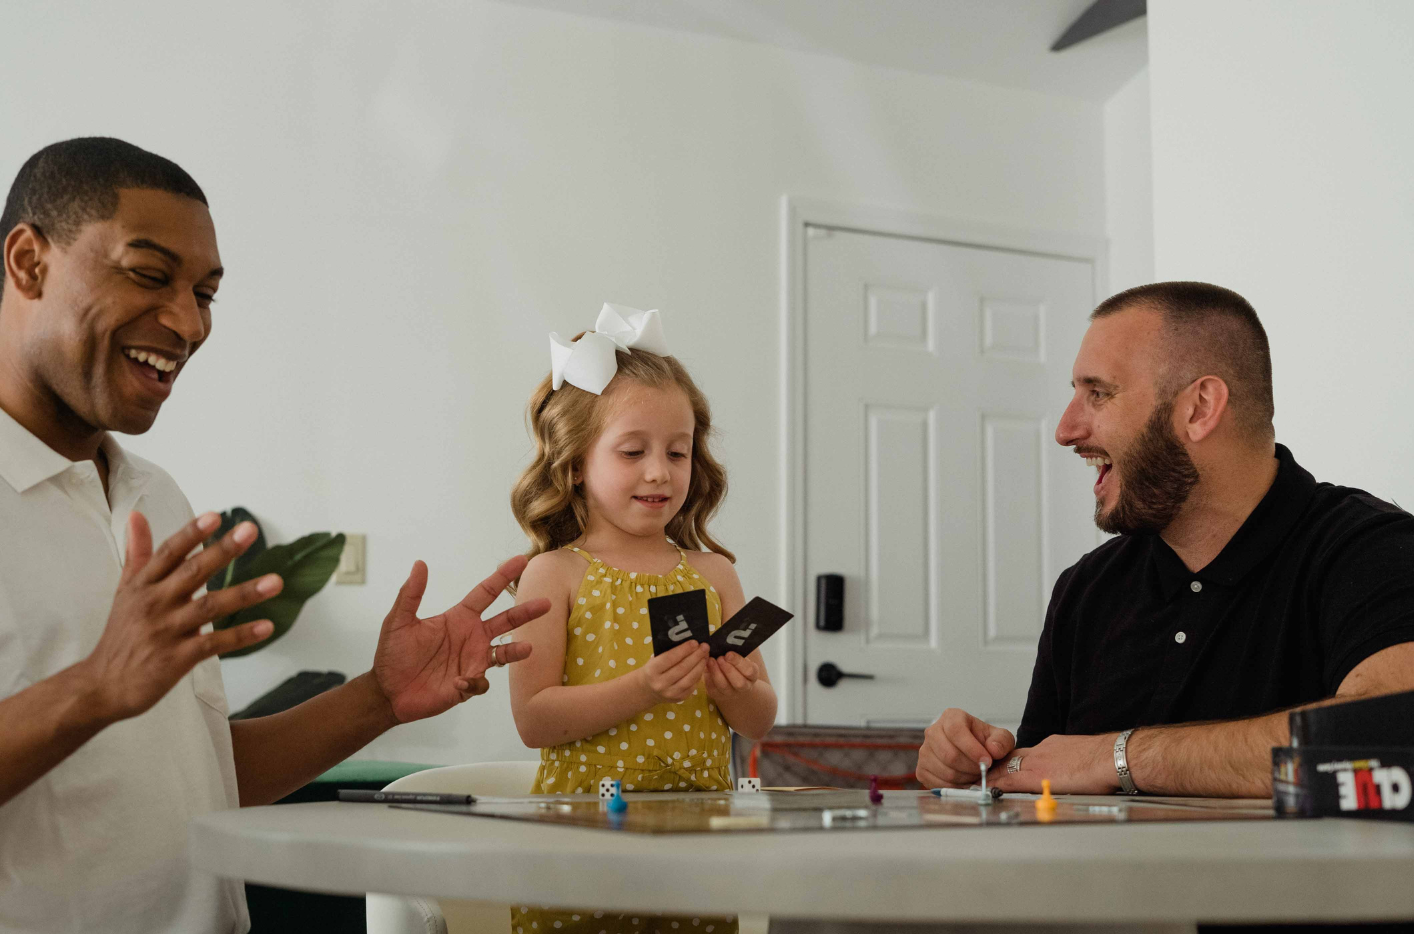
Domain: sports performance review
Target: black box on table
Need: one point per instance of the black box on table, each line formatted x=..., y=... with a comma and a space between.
x=1348, y=760
x=1343, y=781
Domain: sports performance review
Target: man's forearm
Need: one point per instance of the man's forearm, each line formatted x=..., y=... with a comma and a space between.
x=43, y=725
x=1232, y=759
x=277, y=754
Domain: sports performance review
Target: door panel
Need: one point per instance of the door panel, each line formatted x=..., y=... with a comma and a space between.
x=898, y=551
x=934, y=375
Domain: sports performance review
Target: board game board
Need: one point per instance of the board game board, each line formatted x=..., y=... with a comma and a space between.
x=718, y=812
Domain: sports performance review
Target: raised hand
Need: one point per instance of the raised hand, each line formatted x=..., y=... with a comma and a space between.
x=425, y=666
x=153, y=637
x=672, y=676
x=954, y=746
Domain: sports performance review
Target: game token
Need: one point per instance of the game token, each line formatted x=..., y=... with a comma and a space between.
x=1045, y=805
x=617, y=804
x=875, y=795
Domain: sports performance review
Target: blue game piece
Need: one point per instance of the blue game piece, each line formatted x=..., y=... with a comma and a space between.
x=617, y=804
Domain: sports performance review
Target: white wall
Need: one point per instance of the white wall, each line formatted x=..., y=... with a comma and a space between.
x=1283, y=136
x=1129, y=185
x=409, y=201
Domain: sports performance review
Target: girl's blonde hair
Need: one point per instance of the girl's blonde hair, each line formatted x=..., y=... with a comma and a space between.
x=565, y=423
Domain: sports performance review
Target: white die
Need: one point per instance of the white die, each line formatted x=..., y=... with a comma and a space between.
x=748, y=785
x=608, y=788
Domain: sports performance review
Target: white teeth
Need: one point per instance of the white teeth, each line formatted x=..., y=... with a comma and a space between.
x=1098, y=462
x=152, y=360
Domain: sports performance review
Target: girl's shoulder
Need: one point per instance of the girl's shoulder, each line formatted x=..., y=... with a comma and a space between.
x=716, y=568
x=560, y=566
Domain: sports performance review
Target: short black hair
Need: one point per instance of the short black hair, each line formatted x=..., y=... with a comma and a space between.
x=69, y=184
x=1214, y=331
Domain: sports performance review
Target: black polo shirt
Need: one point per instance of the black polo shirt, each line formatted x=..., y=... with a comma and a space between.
x=1317, y=579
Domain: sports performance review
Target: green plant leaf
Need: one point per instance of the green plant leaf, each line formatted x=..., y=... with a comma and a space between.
x=229, y=573
x=306, y=565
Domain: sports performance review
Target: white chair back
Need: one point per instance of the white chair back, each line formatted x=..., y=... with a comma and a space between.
x=402, y=914
x=494, y=779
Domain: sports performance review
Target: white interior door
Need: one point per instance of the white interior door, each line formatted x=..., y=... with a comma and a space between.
x=934, y=375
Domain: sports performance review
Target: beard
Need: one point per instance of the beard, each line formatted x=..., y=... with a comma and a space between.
x=1157, y=480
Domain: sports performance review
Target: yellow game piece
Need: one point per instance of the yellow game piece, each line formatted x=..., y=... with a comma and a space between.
x=1045, y=805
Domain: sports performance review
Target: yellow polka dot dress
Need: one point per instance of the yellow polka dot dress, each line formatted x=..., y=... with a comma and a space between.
x=672, y=747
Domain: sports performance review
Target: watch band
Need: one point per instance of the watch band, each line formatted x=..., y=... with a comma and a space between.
x=1126, y=782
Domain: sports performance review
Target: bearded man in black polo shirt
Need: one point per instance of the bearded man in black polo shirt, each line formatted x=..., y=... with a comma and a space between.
x=1238, y=587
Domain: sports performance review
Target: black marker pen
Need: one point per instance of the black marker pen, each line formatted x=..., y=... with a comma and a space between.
x=402, y=797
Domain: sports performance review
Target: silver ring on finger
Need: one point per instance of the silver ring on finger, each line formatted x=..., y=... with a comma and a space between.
x=495, y=658
x=1014, y=765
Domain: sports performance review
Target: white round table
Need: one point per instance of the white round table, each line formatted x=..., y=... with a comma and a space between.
x=1135, y=873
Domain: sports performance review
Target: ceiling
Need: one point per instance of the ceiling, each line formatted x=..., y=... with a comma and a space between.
x=1002, y=42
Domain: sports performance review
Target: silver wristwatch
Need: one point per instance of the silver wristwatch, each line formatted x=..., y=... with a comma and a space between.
x=1126, y=782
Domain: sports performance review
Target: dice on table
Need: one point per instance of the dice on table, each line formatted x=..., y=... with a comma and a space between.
x=748, y=785
x=608, y=788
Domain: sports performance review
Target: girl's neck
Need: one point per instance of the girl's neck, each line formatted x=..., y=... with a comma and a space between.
x=647, y=554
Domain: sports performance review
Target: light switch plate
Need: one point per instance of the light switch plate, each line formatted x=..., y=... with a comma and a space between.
x=351, y=568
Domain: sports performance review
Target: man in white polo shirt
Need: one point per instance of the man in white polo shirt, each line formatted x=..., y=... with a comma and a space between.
x=113, y=730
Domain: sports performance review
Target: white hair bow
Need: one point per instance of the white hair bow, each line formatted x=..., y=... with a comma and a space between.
x=589, y=362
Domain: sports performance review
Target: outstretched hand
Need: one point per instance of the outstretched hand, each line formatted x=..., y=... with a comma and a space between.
x=426, y=666
x=155, y=632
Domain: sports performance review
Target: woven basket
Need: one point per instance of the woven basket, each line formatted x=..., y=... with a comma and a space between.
x=843, y=757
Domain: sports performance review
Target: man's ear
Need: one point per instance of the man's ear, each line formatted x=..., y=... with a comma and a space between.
x=25, y=252
x=1200, y=408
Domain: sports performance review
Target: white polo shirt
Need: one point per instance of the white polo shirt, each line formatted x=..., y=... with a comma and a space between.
x=100, y=842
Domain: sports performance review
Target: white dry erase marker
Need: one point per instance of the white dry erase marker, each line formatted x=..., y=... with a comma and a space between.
x=973, y=794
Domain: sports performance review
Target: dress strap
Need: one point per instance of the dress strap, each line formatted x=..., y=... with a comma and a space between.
x=581, y=552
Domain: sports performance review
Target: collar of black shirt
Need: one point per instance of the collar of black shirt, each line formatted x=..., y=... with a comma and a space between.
x=1258, y=537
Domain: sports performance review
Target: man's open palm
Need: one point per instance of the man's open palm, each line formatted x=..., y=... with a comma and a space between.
x=425, y=666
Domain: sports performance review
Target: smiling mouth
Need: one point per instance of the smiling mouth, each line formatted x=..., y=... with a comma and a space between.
x=1104, y=465
x=653, y=502
x=153, y=366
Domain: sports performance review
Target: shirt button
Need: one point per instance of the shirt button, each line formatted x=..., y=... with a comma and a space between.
x=1196, y=587
x=1180, y=637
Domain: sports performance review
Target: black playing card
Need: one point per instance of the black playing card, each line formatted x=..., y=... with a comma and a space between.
x=752, y=625
x=677, y=617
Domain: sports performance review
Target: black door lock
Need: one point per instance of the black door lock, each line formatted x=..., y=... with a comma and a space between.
x=828, y=675
x=829, y=602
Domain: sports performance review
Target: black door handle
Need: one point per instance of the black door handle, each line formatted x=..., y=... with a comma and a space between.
x=828, y=675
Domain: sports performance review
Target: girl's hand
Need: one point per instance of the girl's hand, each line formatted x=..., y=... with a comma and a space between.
x=671, y=677
x=730, y=676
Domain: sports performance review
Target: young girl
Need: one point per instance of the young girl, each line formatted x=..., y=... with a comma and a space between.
x=616, y=505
